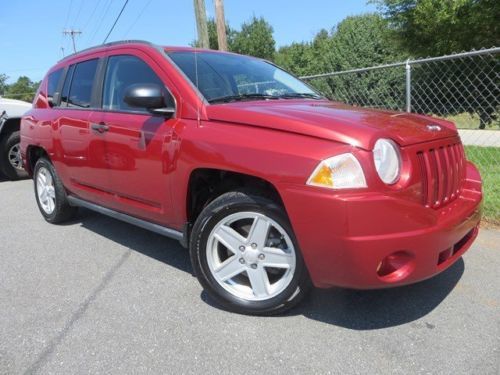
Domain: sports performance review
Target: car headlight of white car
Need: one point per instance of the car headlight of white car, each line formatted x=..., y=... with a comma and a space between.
x=339, y=172
x=387, y=161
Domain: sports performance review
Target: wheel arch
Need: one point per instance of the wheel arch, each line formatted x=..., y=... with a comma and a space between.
x=206, y=184
x=33, y=153
x=9, y=126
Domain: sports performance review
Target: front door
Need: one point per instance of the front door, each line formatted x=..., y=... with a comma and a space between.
x=136, y=141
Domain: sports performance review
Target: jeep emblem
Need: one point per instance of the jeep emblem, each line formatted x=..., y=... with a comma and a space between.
x=433, y=128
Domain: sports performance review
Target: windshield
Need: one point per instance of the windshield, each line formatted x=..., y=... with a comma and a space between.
x=226, y=77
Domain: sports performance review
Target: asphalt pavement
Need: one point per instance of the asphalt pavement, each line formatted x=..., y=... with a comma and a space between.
x=100, y=296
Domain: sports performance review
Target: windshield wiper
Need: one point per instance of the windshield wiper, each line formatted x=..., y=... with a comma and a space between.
x=293, y=95
x=239, y=97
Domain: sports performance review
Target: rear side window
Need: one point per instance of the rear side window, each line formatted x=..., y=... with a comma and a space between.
x=80, y=91
x=65, y=90
x=123, y=71
x=53, y=83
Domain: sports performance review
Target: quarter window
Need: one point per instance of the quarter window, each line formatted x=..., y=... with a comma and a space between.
x=123, y=71
x=53, y=82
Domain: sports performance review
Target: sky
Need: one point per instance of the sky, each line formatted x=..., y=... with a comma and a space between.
x=32, y=37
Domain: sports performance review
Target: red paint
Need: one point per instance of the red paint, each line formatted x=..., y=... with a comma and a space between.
x=142, y=166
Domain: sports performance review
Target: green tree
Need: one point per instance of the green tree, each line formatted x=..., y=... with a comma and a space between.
x=3, y=83
x=356, y=42
x=297, y=58
x=438, y=27
x=212, y=35
x=255, y=39
x=23, y=89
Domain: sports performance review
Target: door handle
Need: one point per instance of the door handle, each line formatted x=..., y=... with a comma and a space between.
x=100, y=128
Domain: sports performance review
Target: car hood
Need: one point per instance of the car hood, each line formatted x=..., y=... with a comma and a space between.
x=357, y=126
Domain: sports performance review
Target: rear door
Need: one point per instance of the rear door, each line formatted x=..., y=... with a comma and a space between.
x=81, y=141
x=137, y=147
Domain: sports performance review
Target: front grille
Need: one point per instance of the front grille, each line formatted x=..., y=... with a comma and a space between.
x=442, y=170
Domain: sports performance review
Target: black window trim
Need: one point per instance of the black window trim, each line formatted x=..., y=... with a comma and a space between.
x=95, y=83
x=59, y=85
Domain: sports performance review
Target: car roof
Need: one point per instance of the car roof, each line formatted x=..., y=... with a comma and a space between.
x=139, y=42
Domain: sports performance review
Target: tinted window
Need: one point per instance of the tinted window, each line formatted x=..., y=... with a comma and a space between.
x=80, y=92
x=121, y=72
x=53, y=82
x=65, y=90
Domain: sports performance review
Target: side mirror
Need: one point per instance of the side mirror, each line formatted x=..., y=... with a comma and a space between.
x=149, y=96
x=54, y=100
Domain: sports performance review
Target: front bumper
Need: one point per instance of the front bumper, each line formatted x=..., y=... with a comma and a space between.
x=371, y=240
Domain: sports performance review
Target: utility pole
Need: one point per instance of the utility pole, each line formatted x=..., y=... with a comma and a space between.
x=201, y=23
x=221, y=25
x=72, y=33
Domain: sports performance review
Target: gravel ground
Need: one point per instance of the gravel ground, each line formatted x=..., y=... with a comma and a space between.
x=101, y=296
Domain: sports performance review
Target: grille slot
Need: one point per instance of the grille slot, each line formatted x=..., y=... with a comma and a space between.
x=442, y=173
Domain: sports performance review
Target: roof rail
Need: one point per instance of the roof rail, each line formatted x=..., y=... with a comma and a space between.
x=107, y=45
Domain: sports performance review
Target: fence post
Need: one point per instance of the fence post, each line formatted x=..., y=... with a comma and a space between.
x=408, y=85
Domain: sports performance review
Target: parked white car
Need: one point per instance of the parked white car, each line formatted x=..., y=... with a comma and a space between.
x=11, y=111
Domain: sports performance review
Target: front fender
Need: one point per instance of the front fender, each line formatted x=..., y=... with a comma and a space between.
x=277, y=157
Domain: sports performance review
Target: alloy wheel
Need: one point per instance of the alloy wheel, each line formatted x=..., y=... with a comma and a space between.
x=251, y=256
x=45, y=190
x=14, y=156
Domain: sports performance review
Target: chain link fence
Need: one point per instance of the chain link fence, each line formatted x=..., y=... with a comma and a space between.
x=463, y=88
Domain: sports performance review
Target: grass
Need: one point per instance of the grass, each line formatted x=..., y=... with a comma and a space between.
x=487, y=159
x=471, y=121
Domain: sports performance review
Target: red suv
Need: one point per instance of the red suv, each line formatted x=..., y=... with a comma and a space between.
x=271, y=186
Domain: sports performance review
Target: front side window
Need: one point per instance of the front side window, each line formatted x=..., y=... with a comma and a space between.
x=122, y=72
x=225, y=77
x=80, y=91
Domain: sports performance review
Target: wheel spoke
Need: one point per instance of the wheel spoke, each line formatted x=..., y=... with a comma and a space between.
x=51, y=192
x=229, y=238
x=229, y=268
x=276, y=258
x=50, y=204
x=259, y=231
x=48, y=180
x=259, y=281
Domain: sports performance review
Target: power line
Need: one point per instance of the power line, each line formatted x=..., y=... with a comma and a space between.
x=136, y=19
x=69, y=12
x=116, y=20
x=91, y=15
x=106, y=9
x=78, y=13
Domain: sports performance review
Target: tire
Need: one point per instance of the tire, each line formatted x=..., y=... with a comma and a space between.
x=11, y=163
x=50, y=193
x=245, y=255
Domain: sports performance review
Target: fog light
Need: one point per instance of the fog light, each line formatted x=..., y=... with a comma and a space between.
x=396, y=266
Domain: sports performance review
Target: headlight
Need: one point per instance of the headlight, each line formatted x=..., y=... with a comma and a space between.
x=387, y=160
x=338, y=172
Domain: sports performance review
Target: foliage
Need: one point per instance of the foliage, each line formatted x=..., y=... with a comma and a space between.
x=213, y=41
x=486, y=159
x=3, y=83
x=255, y=39
x=438, y=27
x=23, y=89
x=356, y=42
